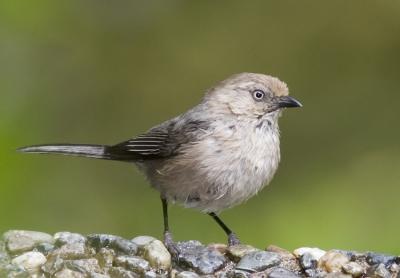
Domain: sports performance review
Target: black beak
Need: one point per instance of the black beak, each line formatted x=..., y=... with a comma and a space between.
x=288, y=102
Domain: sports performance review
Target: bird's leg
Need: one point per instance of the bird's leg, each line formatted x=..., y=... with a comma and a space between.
x=168, y=241
x=232, y=237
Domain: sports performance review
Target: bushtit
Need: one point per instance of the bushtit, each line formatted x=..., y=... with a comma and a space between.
x=213, y=157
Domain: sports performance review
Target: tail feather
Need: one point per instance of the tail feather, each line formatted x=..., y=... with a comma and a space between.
x=92, y=151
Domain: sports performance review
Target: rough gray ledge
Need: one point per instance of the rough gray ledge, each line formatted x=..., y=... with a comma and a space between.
x=65, y=254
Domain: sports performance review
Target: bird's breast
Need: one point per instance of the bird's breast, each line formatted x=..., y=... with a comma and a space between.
x=236, y=162
x=226, y=167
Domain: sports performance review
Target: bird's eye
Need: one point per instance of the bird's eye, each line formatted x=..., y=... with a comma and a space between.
x=258, y=95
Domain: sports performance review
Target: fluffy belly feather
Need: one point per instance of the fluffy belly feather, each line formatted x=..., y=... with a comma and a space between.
x=220, y=171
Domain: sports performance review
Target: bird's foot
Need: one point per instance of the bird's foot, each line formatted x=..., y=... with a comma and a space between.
x=233, y=239
x=171, y=245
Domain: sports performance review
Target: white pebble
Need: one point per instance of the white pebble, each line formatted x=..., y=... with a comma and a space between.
x=316, y=253
x=68, y=238
x=142, y=241
x=354, y=269
x=31, y=261
x=22, y=241
x=158, y=256
x=333, y=261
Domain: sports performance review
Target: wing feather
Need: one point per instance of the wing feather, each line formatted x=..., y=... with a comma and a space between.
x=143, y=147
x=160, y=142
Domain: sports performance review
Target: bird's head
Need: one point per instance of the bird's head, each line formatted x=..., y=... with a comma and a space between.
x=250, y=95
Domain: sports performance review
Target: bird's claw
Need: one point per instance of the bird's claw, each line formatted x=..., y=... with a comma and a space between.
x=171, y=245
x=233, y=239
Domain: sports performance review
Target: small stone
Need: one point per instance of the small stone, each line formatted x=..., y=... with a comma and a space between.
x=382, y=272
x=13, y=271
x=23, y=241
x=282, y=273
x=134, y=264
x=187, y=274
x=241, y=274
x=173, y=273
x=73, y=251
x=359, y=257
x=315, y=252
x=142, y=241
x=119, y=244
x=150, y=274
x=53, y=265
x=227, y=273
x=291, y=264
x=258, y=261
x=236, y=252
x=105, y=257
x=317, y=273
x=31, y=261
x=67, y=273
x=354, y=269
x=44, y=248
x=220, y=247
x=85, y=266
x=99, y=241
x=376, y=259
x=307, y=261
x=280, y=251
x=119, y=272
x=395, y=268
x=195, y=256
x=349, y=254
x=333, y=261
x=63, y=238
x=124, y=246
x=157, y=254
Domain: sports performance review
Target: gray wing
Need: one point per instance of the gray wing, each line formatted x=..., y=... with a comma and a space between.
x=160, y=142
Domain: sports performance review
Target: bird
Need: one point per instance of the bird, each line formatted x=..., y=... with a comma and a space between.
x=213, y=157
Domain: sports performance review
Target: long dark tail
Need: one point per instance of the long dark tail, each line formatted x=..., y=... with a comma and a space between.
x=92, y=151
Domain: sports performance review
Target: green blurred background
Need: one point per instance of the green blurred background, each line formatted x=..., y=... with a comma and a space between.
x=103, y=71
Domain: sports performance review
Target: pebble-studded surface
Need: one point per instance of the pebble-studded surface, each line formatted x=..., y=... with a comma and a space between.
x=65, y=254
